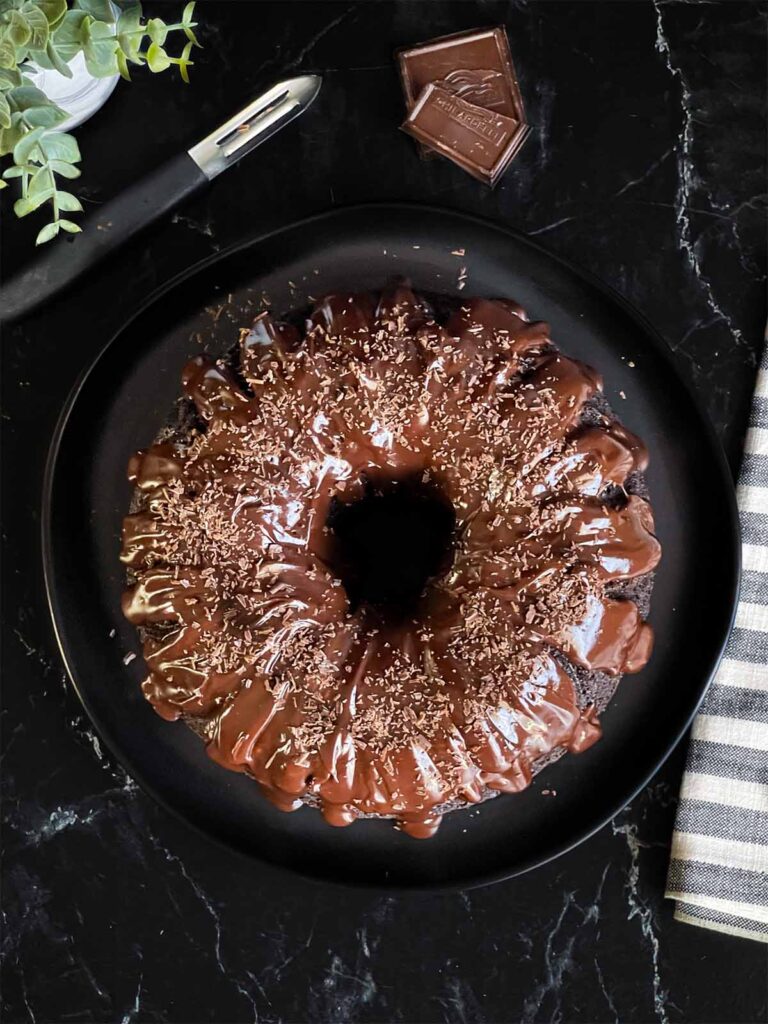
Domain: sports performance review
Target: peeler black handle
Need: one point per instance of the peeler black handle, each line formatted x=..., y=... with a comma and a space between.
x=117, y=221
x=157, y=194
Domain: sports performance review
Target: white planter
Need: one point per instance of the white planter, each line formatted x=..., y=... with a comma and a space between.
x=81, y=96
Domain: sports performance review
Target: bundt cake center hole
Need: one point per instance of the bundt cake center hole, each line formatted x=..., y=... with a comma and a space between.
x=390, y=543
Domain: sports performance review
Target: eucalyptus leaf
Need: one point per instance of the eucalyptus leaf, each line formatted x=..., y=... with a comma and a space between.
x=27, y=96
x=39, y=57
x=5, y=112
x=130, y=46
x=14, y=171
x=26, y=146
x=10, y=137
x=130, y=18
x=3, y=184
x=103, y=65
x=157, y=59
x=188, y=24
x=22, y=207
x=122, y=65
x=44, y=117
x=38, y=23
x=40, y=183
x=70, y=226
x=60, y=146
x=191, y=35
x=48, y=232
x=86, y=25
x=100, y=49
x=54, y=11
x=157, y=30
x=64, y=169
x=28, y=204
x=10, y=78
x=101, y=10
x=7, y=54
x=57, y=62
x=67, y=36
x=67, y=202
x=184, y=63
x=17, y=30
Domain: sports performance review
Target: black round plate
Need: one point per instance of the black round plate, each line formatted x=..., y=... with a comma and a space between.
x=123, y=400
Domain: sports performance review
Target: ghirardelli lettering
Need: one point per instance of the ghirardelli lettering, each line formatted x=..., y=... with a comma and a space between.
x=482, y=124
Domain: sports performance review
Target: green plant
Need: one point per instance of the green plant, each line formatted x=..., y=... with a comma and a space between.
x=50, y=33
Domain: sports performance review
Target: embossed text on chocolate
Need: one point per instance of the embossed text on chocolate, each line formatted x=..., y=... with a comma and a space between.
x=484, y=126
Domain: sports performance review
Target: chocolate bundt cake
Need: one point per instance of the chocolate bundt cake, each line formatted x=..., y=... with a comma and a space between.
x=392, y=563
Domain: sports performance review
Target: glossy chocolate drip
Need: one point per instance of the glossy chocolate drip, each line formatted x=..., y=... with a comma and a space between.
x=235, y=571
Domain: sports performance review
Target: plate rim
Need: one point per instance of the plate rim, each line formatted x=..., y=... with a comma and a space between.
x=662, y=349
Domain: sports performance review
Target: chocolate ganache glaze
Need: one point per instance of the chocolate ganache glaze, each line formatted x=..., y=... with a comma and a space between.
x=391, y=565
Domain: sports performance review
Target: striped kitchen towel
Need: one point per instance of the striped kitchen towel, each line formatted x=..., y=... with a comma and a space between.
x=718, y=875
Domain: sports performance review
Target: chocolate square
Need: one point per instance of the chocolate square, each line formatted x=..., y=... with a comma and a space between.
x=474, y=66
x=480, y=141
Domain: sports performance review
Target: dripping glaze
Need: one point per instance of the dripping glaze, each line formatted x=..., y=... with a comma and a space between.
x=249, y=632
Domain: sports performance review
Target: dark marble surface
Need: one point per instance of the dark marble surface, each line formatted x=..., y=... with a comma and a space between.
x=647, y=166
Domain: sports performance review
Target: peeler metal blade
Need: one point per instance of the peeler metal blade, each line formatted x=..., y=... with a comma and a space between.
x=254, y=124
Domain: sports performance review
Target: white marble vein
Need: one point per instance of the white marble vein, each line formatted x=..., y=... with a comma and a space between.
x=606, y=992
x=93, y=739
x=32, y=652
x=461, y=1003
x=646, y=173
x=77, y=815
x=557, y=963
x=686, y=185
x=244, y=981
x=199, y=892
x=346, y=990
x=309, y=46
x=24, y=992
x=639, y=908
x=731, y=217
x=132, y=1012
x=362, y=937
x=553, y=225
x=246, y=994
